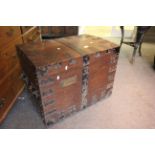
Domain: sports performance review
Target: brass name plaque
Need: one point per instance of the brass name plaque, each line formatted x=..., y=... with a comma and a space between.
x=69, y=81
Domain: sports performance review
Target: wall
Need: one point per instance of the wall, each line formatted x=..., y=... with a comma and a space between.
x=106, y=31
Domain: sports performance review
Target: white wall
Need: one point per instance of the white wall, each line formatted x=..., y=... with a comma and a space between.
x=81, y=29
x=107, y=31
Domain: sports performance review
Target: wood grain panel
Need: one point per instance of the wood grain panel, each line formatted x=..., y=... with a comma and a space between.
x=8, y=34
x=8, y=58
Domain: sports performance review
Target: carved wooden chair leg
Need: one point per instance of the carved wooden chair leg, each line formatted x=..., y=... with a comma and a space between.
x=122, y=36
x=140, y=46
x=139, y=50
x=122, y=33
x=132, y=60
x=137, y=45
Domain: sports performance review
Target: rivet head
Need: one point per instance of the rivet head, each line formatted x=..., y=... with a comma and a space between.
x=58, y=48
x=86, y=46
x=58, y=77
x=66, y=68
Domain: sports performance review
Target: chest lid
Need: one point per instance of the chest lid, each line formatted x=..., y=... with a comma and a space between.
x=87, y=44
x=47, y=52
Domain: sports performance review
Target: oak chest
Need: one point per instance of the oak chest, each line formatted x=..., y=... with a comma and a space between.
x=68, y=74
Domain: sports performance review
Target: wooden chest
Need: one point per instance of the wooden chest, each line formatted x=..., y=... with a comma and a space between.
x=68, y=74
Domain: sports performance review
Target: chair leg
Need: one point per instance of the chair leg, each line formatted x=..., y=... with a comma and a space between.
x=133, y=55
x=137, y=45
x=139, y=51
x=122, y=36
x=140, y=46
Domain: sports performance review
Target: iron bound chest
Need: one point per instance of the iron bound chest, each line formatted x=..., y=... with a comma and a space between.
x=68, y=74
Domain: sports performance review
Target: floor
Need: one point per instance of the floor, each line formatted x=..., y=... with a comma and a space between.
x=131, y=105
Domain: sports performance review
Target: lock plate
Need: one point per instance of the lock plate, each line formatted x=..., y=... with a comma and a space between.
x=69, y=81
